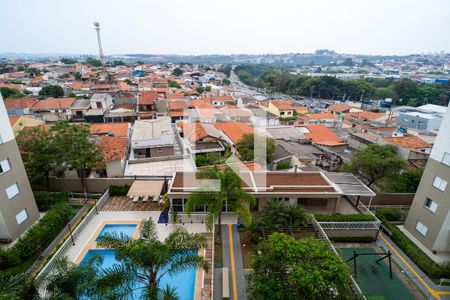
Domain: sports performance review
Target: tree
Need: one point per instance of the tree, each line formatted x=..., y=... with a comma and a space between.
x=173, y=84
x=68, y=61
x=208, y=88
x=200, y=90
x=16, y=287
x=77, y=149
x=77, y=75
x=177, y=72
x=10, y=92
x=286, y=268
x=118, y=63
x=246, y=147
x=230, y=193
x=375, y=162
x=226, y=81
x=38, y=153
x=144, y=261
x=94, y=62
x=52, y=91
x=405, y=182
x=70, y=281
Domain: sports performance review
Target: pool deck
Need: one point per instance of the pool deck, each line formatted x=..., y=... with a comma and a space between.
x=86, y=240
x=123, y=203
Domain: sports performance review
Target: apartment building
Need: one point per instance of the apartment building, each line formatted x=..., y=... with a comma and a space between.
x=18, y=210
x=429, y=217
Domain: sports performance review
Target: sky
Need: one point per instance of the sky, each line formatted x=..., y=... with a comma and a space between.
x=225, y=26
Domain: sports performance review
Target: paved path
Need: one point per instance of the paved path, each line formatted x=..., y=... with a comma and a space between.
x=428, y=287
x=232, y=259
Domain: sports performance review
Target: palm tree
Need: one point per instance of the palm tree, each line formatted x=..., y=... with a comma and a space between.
x=70, y=281
x=144, y=261
x=231, y=194
x=17, y=287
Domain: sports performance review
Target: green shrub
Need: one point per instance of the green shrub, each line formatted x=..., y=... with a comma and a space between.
x=200, y=160
x=9, y=257
x=45, y=200
x=284, y=165
x=423, y=261
x=345, y=218
x=352, y=239
x=119, y=190
x=391, y=214
x=44, y=231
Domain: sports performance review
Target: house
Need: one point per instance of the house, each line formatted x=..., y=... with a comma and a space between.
x=201, y=138
x=114, y=151
x=365, y=119
x=340, y=108
x=234, y=113
x=233, y=131
x=99, y=103
x=53, y=109
x=20, y=122
x=262, y=118
x=19, y=106
x=178, y=109
x=146, y=101
x=325, y=118
x=125, y=112
x=152, y=138
x=281, y=108
x=323, y=136
x=411, y=147
x=360, y=140
x=310, y=190
x=205, y=112
x=79, y=109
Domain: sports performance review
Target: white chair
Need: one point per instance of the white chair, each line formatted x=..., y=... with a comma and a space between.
x=135, y=199
x=145, y=199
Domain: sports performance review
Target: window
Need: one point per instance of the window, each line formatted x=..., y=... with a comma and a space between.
x=12, y=190
x=22, y=216
x=5, y=166
x=431, y=205
x=446, y=159
x=439, y=183
x=177, y=205
x=420, y=227
x=159, y=150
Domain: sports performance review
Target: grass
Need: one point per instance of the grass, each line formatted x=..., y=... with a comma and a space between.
x=218, y=259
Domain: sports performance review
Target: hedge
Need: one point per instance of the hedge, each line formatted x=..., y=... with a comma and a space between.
x=39, y=235
x=391, y=214
x=119, y=190
x=345, y=218
x=423, y=261
x=45, y=200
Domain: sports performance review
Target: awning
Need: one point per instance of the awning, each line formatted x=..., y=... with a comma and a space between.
x=146, y=188
x=349, y=184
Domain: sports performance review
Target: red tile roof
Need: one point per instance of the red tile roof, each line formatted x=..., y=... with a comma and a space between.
x=118, y=129
x=19, y=103
x=178, y=105
x=53, y=103
x=317, y=116
x=113, y=148
x=339, y=108
x=234, y=130
x=322, y=135
x=283, y=104
x=193, y=131
x=147, y=97
x=175, y=96
x=365, y=115
x=410, y=142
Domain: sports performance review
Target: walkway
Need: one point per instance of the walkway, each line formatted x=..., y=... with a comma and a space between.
x=232, y=259
x=428, y=287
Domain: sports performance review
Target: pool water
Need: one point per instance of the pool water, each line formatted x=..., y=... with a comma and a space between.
x=183, y=282
x=125, y=229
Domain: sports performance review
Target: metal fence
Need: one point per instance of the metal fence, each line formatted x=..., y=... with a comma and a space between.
x=62, y=251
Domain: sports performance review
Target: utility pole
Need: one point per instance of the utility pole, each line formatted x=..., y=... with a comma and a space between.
x=99, y=41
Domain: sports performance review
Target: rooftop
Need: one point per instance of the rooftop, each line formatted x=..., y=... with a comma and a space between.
x=113, y=148
x=410, y=142
x=53, y=103
x=322, y=135
x=115, y=129
x=234, y=130
x=155, y=132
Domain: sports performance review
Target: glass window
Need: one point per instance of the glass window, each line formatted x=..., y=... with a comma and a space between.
x=177, y=205
x=439, y=183
x=22, y=216
x=12, y=190
x=431, y=205
x=5, y=166
x=420, y=227
x=446, y=159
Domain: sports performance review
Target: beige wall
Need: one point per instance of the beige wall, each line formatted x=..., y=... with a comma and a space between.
x=26, y=122
x=94, y=185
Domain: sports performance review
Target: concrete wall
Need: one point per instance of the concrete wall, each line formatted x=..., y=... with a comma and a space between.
x=94, y=185
x=351, y=233
x=389, y=199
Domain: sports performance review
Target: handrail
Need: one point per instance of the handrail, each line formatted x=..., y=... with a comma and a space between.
x=358, y=225
x=40, y=277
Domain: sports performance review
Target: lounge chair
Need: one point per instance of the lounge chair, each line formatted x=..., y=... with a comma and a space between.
x=135, y=199
x=145, y=199
x=155, y=199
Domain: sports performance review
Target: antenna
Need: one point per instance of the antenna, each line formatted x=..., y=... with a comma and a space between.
x=100, y=50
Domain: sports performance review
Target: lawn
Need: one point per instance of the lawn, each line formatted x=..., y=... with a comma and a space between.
x=375, y=282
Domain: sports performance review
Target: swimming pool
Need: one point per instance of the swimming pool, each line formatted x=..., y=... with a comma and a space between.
x=184, y=282
x=126, y=229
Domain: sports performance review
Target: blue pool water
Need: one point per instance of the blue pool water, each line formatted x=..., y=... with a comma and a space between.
x=184, y=282
x=126, y=229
